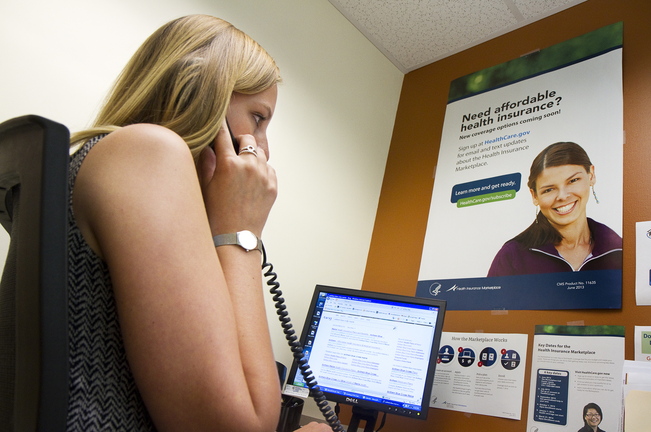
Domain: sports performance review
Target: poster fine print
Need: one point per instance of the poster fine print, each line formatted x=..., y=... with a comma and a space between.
x=526, y=210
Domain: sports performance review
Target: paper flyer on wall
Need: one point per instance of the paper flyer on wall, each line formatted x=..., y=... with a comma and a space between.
x=576, y=378
x=643, y=343
x=484, y=248
x=481, y=373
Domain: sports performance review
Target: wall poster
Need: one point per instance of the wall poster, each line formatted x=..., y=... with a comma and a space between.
x=576, y=379
x=552, y=119
x=481, y=373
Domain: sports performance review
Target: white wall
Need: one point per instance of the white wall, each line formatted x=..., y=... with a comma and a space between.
x=329, y=138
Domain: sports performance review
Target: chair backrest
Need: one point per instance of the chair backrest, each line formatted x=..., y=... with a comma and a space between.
x=34, y=370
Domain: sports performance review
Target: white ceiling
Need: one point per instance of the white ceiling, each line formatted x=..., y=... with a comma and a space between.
x=415, y=33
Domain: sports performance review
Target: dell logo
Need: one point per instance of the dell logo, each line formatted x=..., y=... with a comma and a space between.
x=351, y=400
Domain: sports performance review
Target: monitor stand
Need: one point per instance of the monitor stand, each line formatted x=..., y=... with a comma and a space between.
x=368, y=415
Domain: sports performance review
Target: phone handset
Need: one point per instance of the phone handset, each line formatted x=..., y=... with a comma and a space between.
x=236, y=144
x=295, y=346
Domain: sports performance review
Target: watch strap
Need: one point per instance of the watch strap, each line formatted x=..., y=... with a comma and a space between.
x=239, y=238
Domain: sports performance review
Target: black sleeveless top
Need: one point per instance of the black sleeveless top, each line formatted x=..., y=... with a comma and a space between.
x=103, y=394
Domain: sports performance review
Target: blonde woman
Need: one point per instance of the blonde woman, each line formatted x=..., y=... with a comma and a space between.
x=168, y=330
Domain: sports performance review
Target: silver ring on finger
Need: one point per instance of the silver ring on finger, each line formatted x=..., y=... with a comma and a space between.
x=248, y=149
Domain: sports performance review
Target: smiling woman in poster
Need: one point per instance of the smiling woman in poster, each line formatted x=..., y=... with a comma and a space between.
x=562, y=238
x=592, y=417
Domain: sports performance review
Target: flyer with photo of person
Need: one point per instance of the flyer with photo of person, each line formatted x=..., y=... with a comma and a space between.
x=526, y=209
x=576, y=379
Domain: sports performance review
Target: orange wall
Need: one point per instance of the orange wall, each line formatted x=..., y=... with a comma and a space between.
x=397, y=241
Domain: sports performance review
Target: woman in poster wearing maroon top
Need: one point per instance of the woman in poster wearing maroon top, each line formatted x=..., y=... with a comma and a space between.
x=562, y=238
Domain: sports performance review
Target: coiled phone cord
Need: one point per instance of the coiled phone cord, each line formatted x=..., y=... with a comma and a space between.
x=295, y=346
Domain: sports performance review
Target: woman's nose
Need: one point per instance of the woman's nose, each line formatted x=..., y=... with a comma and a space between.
x=262, y=144
x=562, y=193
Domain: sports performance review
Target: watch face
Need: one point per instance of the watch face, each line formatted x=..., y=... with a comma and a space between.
x=247, y=239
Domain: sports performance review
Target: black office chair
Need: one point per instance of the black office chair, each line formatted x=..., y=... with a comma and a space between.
x=34, y=367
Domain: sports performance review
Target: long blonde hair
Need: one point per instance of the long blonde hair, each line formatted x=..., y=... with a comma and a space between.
x=182, y=77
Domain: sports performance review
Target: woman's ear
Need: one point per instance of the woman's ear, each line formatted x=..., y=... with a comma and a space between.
x=592, y=175
x=534, y=198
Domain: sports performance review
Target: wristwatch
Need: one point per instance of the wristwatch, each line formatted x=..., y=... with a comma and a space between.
x=245, y=239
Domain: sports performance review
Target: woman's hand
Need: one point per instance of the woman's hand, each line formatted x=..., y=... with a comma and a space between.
x=238, y=190
x=316, y=427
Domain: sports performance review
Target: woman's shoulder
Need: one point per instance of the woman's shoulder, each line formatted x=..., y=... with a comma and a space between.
x=506, y=260
x=512, y=247
x=130, y=173
x=133, y=151
x=136, y=155
x=604, y=236
x=145, y=137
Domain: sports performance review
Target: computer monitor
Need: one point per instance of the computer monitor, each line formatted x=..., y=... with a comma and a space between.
x=372, y=350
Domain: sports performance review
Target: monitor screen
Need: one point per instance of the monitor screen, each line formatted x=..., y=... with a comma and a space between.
x=373, y=350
